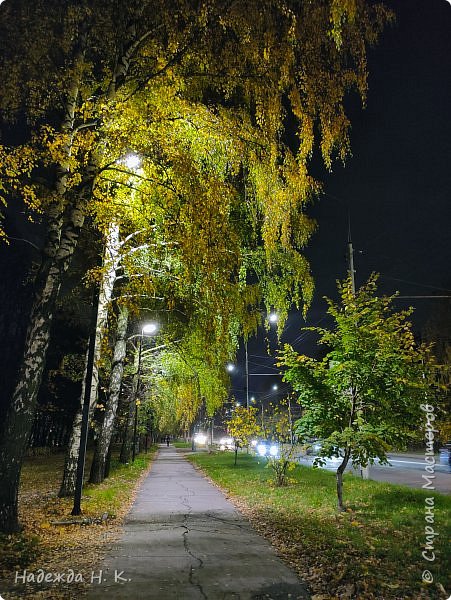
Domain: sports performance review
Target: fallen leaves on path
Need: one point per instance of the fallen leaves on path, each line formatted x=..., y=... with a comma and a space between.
x=60, y=549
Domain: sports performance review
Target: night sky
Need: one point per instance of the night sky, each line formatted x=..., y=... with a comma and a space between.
x=396, y=188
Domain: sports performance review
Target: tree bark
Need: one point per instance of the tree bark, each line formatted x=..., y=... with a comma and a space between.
x=20, y=414
x=110, y=265
x=339, y=479
x=98, y=467
x=108, y=462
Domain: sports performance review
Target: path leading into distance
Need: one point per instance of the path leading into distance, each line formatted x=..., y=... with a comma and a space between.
x=183, y=540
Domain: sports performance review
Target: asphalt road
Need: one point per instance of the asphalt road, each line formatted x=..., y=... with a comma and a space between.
x=183, y=540
x=405, y=469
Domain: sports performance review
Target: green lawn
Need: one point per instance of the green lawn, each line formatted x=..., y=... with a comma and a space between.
x=372, y=551
x=182, y=444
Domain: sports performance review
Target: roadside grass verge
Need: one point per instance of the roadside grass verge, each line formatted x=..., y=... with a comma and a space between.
x=182, y=445
x=371, y=551
x=59, y=548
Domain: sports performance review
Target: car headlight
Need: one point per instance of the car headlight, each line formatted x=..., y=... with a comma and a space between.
x=261, y=449
x=274, y=451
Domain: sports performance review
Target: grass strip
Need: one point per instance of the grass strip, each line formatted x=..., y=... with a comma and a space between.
x=182, y=444
x=371, y=551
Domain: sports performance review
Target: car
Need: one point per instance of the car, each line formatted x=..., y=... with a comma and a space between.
x=267, y=448
x=226, y=443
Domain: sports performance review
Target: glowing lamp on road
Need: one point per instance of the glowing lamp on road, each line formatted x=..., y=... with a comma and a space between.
x=200, y=438
x=274, y=451
x=261, y=449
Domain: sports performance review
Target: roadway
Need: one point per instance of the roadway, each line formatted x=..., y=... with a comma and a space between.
x=405, y=469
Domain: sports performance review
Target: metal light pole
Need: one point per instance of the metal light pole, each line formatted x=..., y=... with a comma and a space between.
x=76, y=510
x=247, y=375
x=290, y=419
x=148, y=329
x=364, y=471
x=136, y=399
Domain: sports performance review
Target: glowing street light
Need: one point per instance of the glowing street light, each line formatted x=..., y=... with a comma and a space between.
x=273, y=317
x=150, y=328
x=230, y=367
x=132, y=161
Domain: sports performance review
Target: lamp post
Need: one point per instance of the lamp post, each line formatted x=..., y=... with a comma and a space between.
x=76, y=510
x=148, y=329
x=272, y=318
x=247, y=375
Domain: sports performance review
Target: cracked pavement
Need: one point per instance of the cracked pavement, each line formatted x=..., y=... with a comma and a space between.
x=183, y=540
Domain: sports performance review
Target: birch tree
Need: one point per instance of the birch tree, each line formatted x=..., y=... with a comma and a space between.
x=72, y=69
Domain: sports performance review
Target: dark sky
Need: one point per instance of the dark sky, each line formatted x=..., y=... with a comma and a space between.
x=396, y=187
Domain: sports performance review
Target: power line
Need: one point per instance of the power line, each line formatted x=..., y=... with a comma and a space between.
x=431, y=287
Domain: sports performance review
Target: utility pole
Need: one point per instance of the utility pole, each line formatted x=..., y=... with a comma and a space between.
x=364, y=471
x=247, y=375
x=290, y=420
x=351, y=270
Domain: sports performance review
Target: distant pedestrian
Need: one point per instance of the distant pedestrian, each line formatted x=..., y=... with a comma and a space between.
x=167, y=441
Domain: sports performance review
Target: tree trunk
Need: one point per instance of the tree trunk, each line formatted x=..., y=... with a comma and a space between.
x=20, y=414
x=108, y=462
x=127, y=444
x=98, y=466
x=339, y=478
x=111, y=258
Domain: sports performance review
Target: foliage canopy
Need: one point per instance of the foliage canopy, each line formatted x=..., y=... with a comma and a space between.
x=363, y=398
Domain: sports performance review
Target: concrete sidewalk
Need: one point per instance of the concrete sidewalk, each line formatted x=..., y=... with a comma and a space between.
x=183, y=540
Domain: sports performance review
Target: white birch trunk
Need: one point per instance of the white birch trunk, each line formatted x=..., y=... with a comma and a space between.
x=104, y=440
x=110, y=264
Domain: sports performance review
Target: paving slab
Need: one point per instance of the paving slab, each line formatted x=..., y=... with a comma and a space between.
x=183, y=540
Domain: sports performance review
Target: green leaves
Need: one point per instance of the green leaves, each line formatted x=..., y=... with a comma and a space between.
x=364, y=397
x=243, y=425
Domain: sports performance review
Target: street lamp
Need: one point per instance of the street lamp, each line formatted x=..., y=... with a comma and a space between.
x=148, y=329
x=132, y=161
x=230, y=367
x=273, y=317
